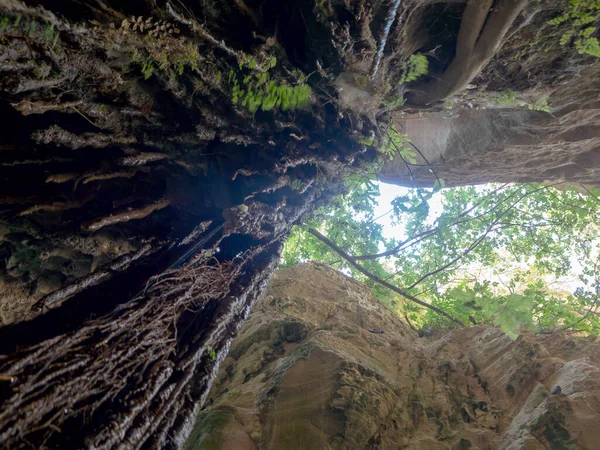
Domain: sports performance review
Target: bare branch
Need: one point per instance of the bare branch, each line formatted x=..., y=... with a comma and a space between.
x=375, y=278
x=478, y=241
x=481, y=32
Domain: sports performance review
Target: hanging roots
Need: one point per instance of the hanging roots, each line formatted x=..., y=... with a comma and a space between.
x=126, y=216
x=129, y=358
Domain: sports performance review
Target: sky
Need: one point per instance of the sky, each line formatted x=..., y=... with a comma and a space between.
x=389, y=191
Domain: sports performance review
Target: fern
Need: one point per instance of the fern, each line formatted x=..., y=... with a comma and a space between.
x=148, y=68
x=416, y=66
x=256, y=91
x=580, y=14
x=394, y=144
x=394, y=102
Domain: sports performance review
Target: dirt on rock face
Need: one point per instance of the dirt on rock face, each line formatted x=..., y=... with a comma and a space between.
x=320, y=364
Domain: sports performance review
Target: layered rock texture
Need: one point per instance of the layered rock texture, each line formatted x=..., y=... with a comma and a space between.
x=531, y=114
x=320, y=365
x=478, y=140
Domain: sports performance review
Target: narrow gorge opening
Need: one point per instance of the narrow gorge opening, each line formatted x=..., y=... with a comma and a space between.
x=160, y=160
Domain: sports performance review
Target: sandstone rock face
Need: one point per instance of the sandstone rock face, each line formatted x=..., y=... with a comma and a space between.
x=499, y=143
x=321, y=365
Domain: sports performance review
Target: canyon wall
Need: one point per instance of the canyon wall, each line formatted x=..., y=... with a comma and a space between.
x=320, y=365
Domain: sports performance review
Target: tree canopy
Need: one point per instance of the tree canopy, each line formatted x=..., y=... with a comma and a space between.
x=512, y=255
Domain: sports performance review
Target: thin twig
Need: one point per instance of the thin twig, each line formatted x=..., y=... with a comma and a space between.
x=589, y=192
x=478, y=241
x=410, y=172
x=426, y=233
x=410, y=324
x=428, y=164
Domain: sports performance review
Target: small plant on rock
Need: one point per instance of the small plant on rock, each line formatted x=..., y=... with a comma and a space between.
x=258, y=91
x=416, y=66
x=580, y=15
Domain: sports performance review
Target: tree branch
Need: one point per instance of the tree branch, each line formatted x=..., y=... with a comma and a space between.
x=479, y=37
x=478, y=241
x=426, y=233
x=459, y=257
x=375, y=278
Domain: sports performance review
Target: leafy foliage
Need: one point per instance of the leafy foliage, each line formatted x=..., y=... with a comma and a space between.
x=346, y=220
x=580, y=15
x=257, y=91
x=509, y=97
x=513, y=256
x=416, y=66
x=393, y=144
x=540, y=105
x=394, y=102
x=162, y=47
x=48, y=32
x=211, y=353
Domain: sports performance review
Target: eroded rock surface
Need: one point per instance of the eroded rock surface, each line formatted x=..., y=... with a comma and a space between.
x=530, y=115
x=322, y=365
x=479, y=141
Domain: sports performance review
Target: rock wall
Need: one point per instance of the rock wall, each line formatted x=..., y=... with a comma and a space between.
x=495, y=143
x=530, y=115
x=322, y=365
